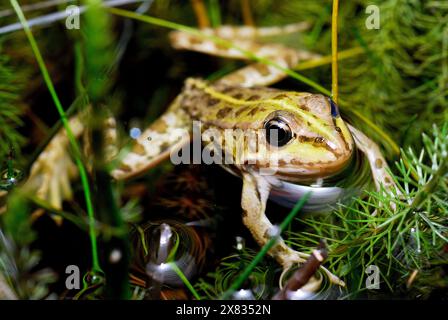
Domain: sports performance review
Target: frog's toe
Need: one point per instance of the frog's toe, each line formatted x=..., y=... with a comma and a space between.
x=295, y=258
x=292, y=260
x=289, y=258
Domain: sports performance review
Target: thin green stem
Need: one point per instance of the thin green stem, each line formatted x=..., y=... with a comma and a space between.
x=334, y=51
x=215, y=13
x=184, y=279
x=65, y=122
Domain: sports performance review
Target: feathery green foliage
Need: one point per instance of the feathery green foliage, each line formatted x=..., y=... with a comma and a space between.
x=18, y=263
x=413, y=237
x=11, y=109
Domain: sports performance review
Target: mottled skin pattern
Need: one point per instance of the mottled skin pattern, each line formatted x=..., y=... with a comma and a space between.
x=321, y=146
x=321, y=143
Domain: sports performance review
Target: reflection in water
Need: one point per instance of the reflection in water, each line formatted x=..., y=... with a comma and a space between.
x=325, y=193
x=173, y=242
x=319, y=287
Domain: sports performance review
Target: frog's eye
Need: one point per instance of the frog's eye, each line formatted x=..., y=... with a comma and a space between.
x=278, y=132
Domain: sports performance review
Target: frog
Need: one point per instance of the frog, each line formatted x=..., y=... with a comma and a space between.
x=303, y=136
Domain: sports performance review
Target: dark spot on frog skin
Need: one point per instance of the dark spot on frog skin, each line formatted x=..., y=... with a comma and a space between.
x=241, y=111
x=195, y=40
x=319, y=140
x=254, y=111
x=211, y=102
x=125, y=168
x=378, y=163
x=266, y=235
x=227, y=90
x=238, y=96
x=160, y=126
x=281, y=96
x=223, y=112
x=164, y=146
x=263, y=69
x=254, y=97
x=305, y=139
x=139, y=149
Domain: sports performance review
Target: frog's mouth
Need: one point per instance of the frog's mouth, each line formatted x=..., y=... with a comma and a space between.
x=310, y=173
x=325, y=192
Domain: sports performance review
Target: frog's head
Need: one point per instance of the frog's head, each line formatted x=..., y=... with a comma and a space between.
x=305, y=137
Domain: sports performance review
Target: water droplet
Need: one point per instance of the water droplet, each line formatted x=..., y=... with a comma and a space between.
x=115, y=256
x=10, y=178
x=243, y=294
x=240, y=243
x=274, y=231
x=165, y=234
x=169, y=241
x=299, y=294
x=135, y=133
x=318, y=183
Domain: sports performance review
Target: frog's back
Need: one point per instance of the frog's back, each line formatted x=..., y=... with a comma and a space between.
x=232, y=106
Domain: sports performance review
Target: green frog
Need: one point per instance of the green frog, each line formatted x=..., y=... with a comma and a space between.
x=298, y=139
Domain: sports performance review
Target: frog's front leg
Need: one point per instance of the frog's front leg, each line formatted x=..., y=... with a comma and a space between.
x=254, y=197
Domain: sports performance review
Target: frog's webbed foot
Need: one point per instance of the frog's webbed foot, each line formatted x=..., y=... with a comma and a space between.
x=383, y=180
x=245, y=46
x=255, y=194
x=53, y=170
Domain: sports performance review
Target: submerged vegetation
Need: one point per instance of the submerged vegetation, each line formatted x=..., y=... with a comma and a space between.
x=393, y=84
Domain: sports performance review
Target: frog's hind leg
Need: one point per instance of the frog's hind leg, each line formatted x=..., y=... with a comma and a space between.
x=264, y=74
x=239, y=33
x=246, y=47
x=166, y=135
x=53, y=170
x=235, y=34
